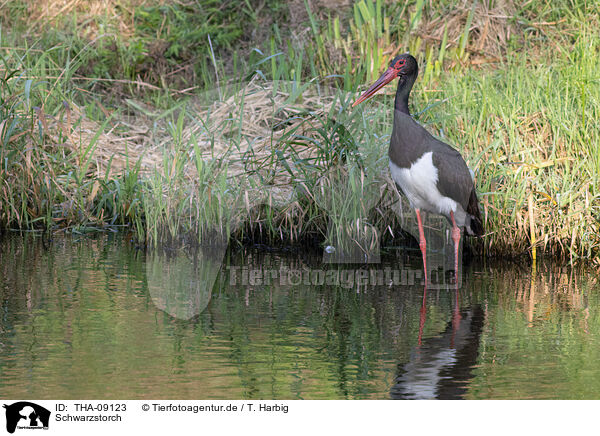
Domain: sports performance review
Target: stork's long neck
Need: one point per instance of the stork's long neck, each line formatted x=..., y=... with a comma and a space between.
x=405, y=84
x=406, y=143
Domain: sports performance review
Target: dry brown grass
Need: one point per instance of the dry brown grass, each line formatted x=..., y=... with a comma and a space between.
x=247, y=147
x=490, y=29
x=44, y=12
x=75, y=131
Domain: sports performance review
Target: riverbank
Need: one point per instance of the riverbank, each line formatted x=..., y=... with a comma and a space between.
x=123, y=116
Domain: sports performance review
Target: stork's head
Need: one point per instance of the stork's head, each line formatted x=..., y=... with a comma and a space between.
x=401, y=66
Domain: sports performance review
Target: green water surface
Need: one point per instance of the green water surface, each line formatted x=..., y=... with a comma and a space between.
x=98, y=318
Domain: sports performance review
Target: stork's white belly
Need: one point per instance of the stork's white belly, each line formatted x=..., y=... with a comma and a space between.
x=419, y=184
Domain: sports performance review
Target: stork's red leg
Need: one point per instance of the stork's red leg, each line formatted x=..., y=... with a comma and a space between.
x=422, y=243
x=456, y=239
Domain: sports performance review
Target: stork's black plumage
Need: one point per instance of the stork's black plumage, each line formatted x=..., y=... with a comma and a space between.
x=433, y=175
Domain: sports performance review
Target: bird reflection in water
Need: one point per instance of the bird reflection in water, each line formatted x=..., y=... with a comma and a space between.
x=440, y=366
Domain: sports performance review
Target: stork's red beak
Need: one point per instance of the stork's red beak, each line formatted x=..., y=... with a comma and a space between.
x=385, y=78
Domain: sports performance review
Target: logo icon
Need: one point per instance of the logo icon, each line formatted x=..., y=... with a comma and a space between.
x=26, y=415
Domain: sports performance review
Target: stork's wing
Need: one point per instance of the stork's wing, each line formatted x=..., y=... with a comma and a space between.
x=454, y=181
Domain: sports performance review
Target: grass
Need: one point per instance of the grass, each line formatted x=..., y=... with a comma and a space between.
x=94, y=138
x=534, y=137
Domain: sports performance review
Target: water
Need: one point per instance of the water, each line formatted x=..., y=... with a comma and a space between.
x=98, y=318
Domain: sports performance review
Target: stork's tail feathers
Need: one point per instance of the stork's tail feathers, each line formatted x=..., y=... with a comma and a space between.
x=475, y=227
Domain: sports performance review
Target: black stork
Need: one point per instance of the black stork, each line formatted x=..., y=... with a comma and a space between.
x=431, y=174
